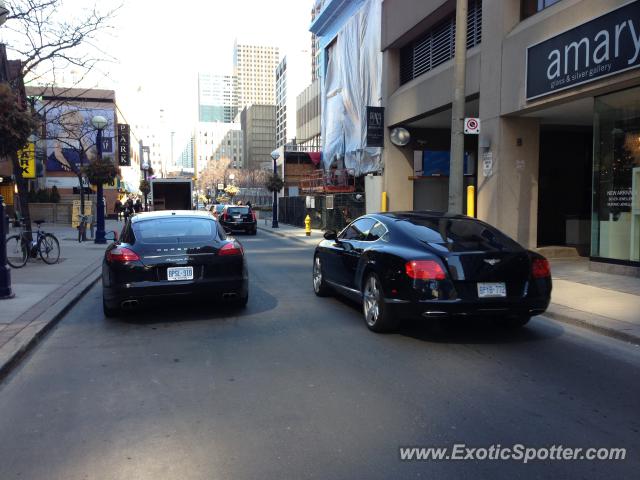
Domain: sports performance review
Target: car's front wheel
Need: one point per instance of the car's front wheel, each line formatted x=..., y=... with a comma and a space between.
x=377, y=316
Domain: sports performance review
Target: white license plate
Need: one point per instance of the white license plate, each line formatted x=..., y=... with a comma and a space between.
x=488, y=290
x=179, y=273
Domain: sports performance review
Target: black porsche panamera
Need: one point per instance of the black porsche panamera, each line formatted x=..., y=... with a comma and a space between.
x=169, y=255
x=431, y=264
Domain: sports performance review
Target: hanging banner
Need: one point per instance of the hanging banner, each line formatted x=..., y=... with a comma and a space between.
x=124, y=145
x=375, y=126
x=27, y=160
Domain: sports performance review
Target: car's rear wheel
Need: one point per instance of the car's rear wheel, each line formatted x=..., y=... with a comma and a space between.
x=377, y=316
x=320, y=287
x=242, y=301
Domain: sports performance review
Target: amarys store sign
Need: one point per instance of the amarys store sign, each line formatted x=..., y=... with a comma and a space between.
x=604, y=46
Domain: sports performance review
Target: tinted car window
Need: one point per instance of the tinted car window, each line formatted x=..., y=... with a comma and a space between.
x=358, y=230
x=237, y=210
x=459, y=234
x=175, y=230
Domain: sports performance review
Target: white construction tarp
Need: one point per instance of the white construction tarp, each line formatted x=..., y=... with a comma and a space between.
x=352, y=82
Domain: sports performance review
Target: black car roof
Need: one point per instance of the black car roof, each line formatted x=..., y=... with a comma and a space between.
x=407, y=215
x=170, y=213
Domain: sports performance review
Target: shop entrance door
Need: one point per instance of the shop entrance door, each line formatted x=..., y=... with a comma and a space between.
x=564, y=187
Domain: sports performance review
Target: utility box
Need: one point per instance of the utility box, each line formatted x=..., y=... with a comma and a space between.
x=373, y=193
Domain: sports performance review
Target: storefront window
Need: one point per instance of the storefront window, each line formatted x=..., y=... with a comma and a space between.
x=615, y=223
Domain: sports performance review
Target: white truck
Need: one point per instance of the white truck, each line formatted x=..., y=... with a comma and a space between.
x=172, y=193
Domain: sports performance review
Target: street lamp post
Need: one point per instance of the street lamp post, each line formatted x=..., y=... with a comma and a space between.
x=99, y=122
x=5, y=271
x=274, y=222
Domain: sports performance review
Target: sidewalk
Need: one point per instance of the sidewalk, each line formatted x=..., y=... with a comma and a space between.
x=43, y=293
x=608, y=304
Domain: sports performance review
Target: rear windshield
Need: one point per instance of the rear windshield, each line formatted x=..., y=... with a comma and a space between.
x=175, y=230
x=238, y=210
x=459, y=234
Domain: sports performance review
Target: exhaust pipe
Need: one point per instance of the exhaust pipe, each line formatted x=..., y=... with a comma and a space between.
x=227, y=296
x=128, y=304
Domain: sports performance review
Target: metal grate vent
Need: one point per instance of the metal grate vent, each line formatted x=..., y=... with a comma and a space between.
x=438, y=44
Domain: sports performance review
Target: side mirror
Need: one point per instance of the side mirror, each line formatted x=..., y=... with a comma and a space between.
x=330, y=235
x=112, y=235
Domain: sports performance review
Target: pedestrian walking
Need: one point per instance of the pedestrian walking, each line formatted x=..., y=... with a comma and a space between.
x=137, y=206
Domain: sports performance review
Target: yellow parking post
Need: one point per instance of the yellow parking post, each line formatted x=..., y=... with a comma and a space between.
x=383, y=202
x=471, y=201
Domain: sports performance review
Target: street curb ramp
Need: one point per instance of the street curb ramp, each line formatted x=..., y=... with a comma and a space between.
x=53, y=311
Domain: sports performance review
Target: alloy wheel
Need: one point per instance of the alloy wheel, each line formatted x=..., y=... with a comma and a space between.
x=371, y=301
x=317, y=275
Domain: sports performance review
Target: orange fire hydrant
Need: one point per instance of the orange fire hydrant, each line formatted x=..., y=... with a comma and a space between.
x=307, y=226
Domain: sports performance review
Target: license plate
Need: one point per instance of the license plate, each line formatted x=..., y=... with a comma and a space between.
x=489, y=290
x=179, y=273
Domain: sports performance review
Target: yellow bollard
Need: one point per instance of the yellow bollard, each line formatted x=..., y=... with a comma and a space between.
x=383, y=202
x=471, y=201
x=307, y=226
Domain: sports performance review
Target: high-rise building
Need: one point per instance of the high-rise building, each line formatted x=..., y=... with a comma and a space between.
x=217, y=101
x=259, y=131
x=254, y=68
x=292, y=76
x=315, y=42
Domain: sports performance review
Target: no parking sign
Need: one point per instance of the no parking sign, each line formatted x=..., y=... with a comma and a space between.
x=471, y=126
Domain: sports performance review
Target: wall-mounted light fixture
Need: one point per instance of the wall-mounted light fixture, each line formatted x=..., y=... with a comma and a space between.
x=400, y=136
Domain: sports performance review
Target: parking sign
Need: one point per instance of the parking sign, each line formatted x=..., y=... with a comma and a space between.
x=471, y=126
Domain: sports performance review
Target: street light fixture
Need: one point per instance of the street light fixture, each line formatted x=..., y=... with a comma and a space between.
x=274, y=222
x=99, y=122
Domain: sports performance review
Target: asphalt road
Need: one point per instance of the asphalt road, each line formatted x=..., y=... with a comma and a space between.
x=297, y=387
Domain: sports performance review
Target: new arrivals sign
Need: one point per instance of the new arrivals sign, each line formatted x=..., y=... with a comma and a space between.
x=124, y=145
x=604, y=46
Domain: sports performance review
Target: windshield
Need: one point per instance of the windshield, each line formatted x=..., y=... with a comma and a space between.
x=238, y=210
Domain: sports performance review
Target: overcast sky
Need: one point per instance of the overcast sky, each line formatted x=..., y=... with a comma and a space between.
x=162, y=45
x=159, y=47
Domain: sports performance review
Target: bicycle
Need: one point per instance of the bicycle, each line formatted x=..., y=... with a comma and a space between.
x=20, y=248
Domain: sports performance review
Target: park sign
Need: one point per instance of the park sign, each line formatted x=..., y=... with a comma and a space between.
x=124, y=145
x=604, y=46
x=27, y=161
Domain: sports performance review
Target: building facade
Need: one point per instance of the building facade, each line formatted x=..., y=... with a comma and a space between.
x=292, y=77
x=308, y=116
x=254, y=68
x=217, y=97
x=215, y=141
x=556, y=87
x=258, y=124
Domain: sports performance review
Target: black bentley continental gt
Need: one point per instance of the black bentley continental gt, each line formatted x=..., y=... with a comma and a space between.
x=432, y=265
x=173, y=254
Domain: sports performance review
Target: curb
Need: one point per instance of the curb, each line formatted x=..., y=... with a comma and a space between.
x=19, y=346
x=590, y=321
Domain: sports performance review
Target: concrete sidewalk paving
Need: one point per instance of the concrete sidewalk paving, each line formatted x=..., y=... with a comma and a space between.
x=608, y=304
x=43, y=293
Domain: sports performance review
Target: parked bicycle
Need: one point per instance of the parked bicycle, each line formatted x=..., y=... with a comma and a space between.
x=20, y=247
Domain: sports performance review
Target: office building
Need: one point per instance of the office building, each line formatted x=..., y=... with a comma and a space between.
x=217, y=101
x=292, y=77
x=254, y=68
x=259, y=129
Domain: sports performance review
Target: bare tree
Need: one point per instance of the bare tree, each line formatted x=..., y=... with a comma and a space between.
x=48, y=41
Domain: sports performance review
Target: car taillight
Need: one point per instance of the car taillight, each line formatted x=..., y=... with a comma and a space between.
x=540, y=268
x=121, y=255
x=231, y=248
x=253, y=215
x=224, y=216
x=424, y=270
